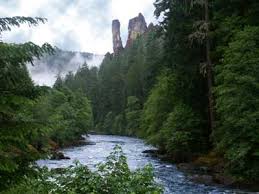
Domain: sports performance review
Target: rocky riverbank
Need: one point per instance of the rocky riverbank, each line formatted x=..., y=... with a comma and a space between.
x=207, y=169
x=56, y=154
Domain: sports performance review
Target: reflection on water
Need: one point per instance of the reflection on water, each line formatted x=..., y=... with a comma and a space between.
x=167, y=174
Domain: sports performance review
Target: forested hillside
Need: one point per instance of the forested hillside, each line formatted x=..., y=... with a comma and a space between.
x=188, y=85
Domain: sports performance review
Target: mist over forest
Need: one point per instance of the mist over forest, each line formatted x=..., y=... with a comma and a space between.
x=45, y=70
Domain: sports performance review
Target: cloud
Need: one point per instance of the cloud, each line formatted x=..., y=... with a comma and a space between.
x=81, y=25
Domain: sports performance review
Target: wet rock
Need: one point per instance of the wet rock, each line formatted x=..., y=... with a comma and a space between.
x=93, y=132
x=223, y=179
x=204, y=169
x=59, y=156
x=187, y=167
x=193, y=168
x=89, y=143
x=150, y=27
x=150, y=152
x=53, y=145
x=81, y=142
x=203, y=179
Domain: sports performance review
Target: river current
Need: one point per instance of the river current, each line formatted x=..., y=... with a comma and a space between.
x=174, y=181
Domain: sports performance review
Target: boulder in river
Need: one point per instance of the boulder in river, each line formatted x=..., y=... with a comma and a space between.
x=89, y=143
x=59, y=156
x=150, y=152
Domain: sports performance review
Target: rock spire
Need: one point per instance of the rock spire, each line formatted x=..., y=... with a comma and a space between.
x=116, y=36
x=137, y=26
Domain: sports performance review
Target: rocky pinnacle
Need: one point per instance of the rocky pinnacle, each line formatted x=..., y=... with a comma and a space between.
x=137, y=26
x=117, y=43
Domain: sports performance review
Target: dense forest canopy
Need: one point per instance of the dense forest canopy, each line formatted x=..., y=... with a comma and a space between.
x=188, y=85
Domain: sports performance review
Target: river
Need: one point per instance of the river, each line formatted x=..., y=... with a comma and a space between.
x=174, y=181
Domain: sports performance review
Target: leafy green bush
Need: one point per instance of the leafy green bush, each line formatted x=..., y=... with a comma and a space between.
x=111, y=177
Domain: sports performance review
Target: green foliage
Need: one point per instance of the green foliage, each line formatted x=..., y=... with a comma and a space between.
x=234, y=41
x=17, y=126
x=237, y=103
x=133, y=114
x=177, y=132
x=13, y=59
x=132, y=73
x=27, y=125
x=118, y=125
x=31, y=115
x=157, y=108
x=108, y=122
x=85, y=80
x=7, y=23
x=181, y=132
x=113, y=176
x=67, y=115
x=156, y=89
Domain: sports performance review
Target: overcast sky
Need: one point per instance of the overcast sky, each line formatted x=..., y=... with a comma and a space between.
x=79, y=25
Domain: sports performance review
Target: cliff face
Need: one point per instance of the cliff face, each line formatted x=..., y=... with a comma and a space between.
x=117, y=43
x=137, y=27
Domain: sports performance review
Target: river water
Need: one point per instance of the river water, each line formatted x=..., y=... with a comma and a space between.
x=174, y=181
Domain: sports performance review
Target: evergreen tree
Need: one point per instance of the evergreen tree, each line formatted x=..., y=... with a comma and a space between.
x=17, y=127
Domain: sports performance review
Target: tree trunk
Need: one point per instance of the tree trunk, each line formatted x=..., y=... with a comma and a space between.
x=209, y=70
